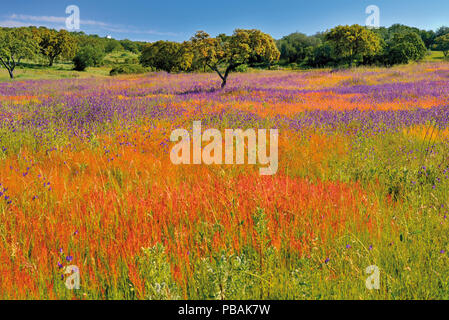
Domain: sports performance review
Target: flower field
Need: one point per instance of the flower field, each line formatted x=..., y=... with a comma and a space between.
x=86, y=180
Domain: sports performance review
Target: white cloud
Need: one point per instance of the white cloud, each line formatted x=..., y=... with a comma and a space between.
x=13, y=24
x=23, y=20
x=25, y=17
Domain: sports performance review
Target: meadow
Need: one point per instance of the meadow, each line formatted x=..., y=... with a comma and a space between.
x=86, y=180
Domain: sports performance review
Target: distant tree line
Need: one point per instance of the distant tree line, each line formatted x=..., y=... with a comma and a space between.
x=222, y=54
x=357, y=45
x=33, y=43
x=341, y=46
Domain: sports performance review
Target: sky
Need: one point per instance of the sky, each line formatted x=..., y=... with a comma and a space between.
x=177, y=20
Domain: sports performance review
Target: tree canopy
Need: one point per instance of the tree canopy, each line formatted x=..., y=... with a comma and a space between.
x=54, y=44
x=405, y=47
x=167, y=56
x=224, y=54
x=354, y=42
x=442, y=44
x=16, y=44
x=297, y=47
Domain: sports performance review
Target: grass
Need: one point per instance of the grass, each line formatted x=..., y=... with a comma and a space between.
x=31, y=70
x=87, y=180
x=434, y=56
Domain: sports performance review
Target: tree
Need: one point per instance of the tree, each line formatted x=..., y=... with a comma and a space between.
x=441, y=31
x=353, y=42
x=405, y=47
x=55, y=44
x=297, y=47
x=16, y=44
x=87, y=57
x=96, y=42
x=322, y=56
x=129, y=45
x=167, y=56
x=113, y=45
x=428, y=37
x=442, y=44
x=225, y=53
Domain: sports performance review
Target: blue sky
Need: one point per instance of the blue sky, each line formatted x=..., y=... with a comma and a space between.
x=178, y=20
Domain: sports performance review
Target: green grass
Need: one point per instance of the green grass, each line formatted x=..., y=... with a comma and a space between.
x=434, y=56
x=33, y=70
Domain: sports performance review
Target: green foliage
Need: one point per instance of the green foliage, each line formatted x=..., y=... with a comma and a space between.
x=112, y=45
x=241, y=68
x=354, y=42
x=54, y=44
x=127, y=69
x=322, y=56
x=442, y=44
x=405, y=47
x=87, y=57
x=242, y=47
x=129, y=45
x=167, y=56
x=442, y=31
x=297, y=47
x=16, y=44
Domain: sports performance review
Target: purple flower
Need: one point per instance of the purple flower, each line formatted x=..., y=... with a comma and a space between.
x=370, y=247
x=327, y=260
x=60, y=265
x=442, y=251
x=348, y=246
x=69, y=258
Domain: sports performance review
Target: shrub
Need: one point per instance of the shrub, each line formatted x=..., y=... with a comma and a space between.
x=241, y=68
x=405, y=47
x=87, y=57
x=127, y=69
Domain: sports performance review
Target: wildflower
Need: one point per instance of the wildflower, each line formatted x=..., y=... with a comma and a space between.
x=370, y=247
x=69, y=258
x=348, y=246
x=327, y=260
x=442, y=251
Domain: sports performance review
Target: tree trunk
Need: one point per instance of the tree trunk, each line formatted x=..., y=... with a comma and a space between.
x=51, y=61
x=224, y=77
x=10, y=65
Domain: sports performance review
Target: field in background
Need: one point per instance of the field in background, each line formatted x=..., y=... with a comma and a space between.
x=39, y=70
x=435, y=56
x=86, y=180
x=60, y=70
